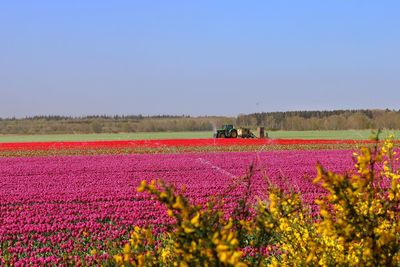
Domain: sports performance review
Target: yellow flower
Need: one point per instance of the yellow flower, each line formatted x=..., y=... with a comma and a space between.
x=235, y=257
x=165, y=254
x=222, y=247
x=230, y=236
x=170, y=213
x=229, y=225
x=195, y=220
x=234, y=242
x=152, y=185
x=141, y=260
x=367, y=253
x=163, y=195
x=118, y=259
x=193, y=246
x=310, y=256
x=223, y=256
x=179, y=205
x=188, y=230
x=142, y=186
x=127, y=248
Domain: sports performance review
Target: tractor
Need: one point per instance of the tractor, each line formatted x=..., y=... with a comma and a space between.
x=227, y=131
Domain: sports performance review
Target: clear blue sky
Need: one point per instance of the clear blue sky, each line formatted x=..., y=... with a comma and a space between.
x=197, y=57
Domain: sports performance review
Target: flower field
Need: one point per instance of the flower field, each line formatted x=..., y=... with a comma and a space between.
x=29, y=149
x=54, y=209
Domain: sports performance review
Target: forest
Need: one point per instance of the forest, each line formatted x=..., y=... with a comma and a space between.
x=287, y=121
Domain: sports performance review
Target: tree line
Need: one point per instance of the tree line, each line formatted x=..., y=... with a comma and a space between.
x=109, y=124
x=289, y=121
x=323, y=120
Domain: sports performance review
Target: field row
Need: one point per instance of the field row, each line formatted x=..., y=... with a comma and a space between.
x=170, y=146
x=338, y=134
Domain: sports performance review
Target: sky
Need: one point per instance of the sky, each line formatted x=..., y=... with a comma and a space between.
x=197, y=58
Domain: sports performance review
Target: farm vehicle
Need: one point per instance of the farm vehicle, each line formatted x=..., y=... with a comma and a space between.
x=229, y=131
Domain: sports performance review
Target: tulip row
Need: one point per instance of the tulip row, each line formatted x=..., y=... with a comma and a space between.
x=168, y=146
x=168, y=143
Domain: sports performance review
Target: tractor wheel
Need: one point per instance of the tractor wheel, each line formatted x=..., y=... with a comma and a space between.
x=234, y=134
x=221, y=135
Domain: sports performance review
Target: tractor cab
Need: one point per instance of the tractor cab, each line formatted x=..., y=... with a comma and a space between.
x=227, y=127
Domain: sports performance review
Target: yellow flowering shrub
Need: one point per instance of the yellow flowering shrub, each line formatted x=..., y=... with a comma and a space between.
x=199, y=237
x=357, y=225
x=359, y=218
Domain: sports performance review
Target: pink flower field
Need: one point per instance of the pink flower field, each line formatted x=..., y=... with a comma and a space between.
x=54, y=206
